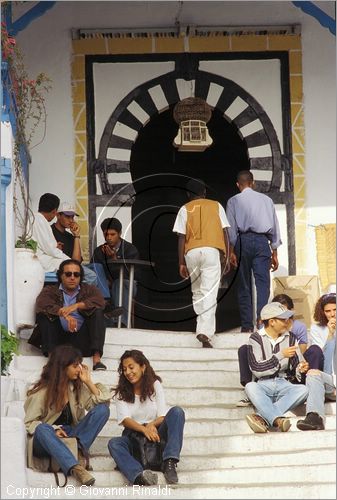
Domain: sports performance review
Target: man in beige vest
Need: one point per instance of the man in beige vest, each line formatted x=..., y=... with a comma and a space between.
x=201, y=227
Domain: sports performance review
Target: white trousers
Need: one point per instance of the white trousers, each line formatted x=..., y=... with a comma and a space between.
x=203, y=265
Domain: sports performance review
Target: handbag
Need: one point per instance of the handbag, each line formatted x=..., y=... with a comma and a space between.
x=79, y=453
x=148, y=453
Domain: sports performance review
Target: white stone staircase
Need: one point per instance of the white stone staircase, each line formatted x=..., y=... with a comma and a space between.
x=221, y=456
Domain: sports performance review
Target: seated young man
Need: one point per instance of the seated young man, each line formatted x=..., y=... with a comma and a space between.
x=272, y=356
x=71, y=312
x=115, y=248
x=312, y=355
x=67, y=234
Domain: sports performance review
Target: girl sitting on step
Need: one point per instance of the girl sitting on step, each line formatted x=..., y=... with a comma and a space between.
x=55, y=409
x=323, y=331
x=141, y=407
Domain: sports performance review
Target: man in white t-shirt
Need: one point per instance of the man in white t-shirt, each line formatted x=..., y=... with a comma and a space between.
x=201, y=227
x=48, y=252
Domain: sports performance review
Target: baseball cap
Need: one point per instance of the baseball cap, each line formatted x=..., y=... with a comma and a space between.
x=275, y=310
x=67, y=208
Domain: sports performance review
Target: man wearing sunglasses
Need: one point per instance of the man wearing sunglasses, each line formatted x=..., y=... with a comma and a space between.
x=71, y=313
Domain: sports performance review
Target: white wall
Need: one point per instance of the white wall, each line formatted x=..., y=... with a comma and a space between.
x=47, y=45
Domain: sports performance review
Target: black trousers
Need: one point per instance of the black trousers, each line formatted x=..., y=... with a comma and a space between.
x=89, y=339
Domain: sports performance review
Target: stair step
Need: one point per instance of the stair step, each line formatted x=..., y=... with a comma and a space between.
x=191, y=378
x=211, y=427
x=137, y=337
x=180, y=396
x=193, y=413
x=225, y=461
x=283, y=474
x=36, y=362
x=196, y=353
x=251, y=443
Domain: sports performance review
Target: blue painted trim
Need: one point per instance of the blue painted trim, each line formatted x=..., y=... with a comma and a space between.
x=6, y=176
x=9, y=113
x=314, y=11
x=30, y=16
x=6, y=11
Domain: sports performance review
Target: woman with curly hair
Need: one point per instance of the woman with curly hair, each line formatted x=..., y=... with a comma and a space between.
x=55, y=409
x=323, y=331
x=141, y=407
x=319, y=379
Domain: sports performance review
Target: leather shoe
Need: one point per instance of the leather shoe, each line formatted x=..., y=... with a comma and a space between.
x=312, y=422
x=99, y=366
x=169, y=471
x=204, y=340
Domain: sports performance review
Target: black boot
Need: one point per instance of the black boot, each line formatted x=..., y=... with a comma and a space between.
x=312, y=422
x=169, y=470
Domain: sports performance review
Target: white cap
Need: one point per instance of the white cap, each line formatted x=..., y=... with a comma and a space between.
x=67, y=208
x=275, y=310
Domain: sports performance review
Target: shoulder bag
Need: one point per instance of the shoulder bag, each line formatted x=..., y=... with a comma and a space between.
x=79, y=453
x=148, y=453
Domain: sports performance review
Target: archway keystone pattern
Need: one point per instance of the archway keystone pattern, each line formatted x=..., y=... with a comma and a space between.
x=236, y=105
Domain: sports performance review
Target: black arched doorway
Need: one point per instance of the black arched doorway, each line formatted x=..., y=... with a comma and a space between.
x=159, y=173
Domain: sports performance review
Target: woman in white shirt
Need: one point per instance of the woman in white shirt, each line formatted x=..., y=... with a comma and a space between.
x=323, y=332
x=141, y=407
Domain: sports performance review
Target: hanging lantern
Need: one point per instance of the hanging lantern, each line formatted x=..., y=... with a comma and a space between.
x=192, y=114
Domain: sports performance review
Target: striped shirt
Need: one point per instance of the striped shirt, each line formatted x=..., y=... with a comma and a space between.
x=265, y=356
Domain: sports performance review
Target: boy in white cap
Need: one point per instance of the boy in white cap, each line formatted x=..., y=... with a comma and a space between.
x=67, y=241
x=272, y=357
x=67, y=234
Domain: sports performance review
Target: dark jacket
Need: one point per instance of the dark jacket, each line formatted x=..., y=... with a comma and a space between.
x=50, y=300
x=126, y=251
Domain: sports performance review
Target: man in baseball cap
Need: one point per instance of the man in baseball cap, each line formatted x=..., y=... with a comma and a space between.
x=272, y=357
x=275, y=310
x=68, y=241
x=67, y=209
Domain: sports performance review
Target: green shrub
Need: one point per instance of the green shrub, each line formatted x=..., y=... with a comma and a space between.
x=9, y=347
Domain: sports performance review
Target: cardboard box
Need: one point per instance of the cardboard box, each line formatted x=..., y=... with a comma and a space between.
x=304, y=291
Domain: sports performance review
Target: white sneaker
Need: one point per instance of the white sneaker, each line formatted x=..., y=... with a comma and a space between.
x=244, y=402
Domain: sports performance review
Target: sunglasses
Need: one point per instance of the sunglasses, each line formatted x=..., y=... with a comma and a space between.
x=76, y=274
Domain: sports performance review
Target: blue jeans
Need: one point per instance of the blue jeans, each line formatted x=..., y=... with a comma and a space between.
x=329, y=354
x=125, y=301
x=254, y=254
x=47, y=443
x=171, y=430
x=273, y=397
x=318, y=385
x=100, y=278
